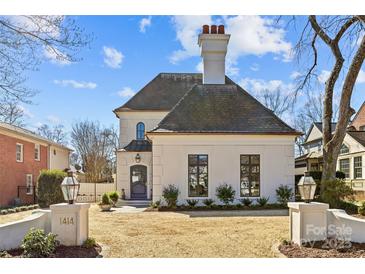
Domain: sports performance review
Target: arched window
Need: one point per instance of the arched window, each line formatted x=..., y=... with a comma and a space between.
x=140, y=131
x=344, y=149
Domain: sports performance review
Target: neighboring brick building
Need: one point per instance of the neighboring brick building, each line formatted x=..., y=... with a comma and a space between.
x=23, y=155
x=359, y=120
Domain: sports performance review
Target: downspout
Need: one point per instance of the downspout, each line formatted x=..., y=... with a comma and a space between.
x=49, y=157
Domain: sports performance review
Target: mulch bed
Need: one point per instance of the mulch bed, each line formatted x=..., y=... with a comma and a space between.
x=64, y=252
x=324, y=249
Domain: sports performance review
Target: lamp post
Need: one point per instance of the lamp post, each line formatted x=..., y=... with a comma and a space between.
x=70, y=221
x=307, y=187
x=70, y=187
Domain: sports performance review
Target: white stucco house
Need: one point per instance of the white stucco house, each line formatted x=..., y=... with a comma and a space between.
x=197, y=131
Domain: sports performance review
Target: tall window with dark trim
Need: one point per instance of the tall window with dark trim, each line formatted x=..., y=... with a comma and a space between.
x=250, y=176
x=345, y=167
x=140, y=131
x=198, y=175
x=358, y=167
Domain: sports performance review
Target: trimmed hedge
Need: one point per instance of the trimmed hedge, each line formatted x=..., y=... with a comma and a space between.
x=18, y=209
x=49, y=187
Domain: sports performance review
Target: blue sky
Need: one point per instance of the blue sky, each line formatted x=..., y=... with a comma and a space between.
x=129, y=51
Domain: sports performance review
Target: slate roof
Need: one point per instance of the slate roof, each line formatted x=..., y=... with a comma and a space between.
x=302, y=157
x=222, y=109
x=359, y=136
x=139, y=145
x=319, y=126
x=163, y=92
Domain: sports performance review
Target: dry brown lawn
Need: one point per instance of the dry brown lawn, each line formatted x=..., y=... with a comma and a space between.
x=166, y=234
x=14, y=216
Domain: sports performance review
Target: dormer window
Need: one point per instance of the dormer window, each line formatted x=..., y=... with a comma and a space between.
x=344, y=149
x=140, y=131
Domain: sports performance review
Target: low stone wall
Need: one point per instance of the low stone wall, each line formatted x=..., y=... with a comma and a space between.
x=12, y=234
x=343, y=226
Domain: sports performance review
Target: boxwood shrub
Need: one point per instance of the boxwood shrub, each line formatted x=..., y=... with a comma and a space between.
x=49, y=187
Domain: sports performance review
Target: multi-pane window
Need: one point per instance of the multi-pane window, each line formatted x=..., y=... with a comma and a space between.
x=357, y=167
x=19, y=152
x=345, y=167
x=250, y=176
x=344, y=149
x=37, y=152
x=198, y=175
x=140, y=131
x=29, y=183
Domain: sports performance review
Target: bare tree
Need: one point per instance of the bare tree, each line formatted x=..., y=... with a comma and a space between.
x=96, y=147
x=276, y=100
x=56, y=133
x=11, y=113
x=343, y=37
x=27, y=40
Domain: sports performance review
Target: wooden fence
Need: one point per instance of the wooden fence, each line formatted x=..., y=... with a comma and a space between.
x=92, y=192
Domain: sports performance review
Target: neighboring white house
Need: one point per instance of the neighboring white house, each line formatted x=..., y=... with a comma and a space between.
x=197, y=131
x=351, y=158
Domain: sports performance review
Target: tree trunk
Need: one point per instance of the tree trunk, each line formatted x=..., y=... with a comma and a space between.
x=332, y=144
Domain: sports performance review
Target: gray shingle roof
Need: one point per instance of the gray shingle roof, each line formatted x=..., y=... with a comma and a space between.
x=221, y=109
x=163, y=92
x=359, y=136
x=139, y=145
x=319, y=126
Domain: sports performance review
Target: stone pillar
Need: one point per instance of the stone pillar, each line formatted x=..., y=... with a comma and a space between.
x=70, y=222
x=308, y=221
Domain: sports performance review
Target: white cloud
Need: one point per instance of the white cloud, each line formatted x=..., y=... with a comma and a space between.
x=295, y=74
x=187, y=30
x=112, y=57
x=323, y=77
x=76, y=84
x=258, y=85
x=361, y=77
x=144, y=23
x=39, y=24
x=55, y=56
x=250, y=35
x=256, y=35
x=126, y=92
x=53, y=119
x=199, y=67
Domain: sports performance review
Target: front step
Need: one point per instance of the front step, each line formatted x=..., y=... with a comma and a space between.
x=133, y=203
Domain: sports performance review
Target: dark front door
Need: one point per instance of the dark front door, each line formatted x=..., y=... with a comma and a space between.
x=138, y=182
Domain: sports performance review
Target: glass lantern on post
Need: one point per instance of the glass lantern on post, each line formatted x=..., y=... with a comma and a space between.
x=307, y=187
x=70, y=188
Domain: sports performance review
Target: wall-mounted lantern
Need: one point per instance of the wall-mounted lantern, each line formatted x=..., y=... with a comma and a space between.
x=138, y=158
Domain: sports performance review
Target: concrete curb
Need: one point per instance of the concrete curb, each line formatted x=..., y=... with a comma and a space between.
x=276, y=251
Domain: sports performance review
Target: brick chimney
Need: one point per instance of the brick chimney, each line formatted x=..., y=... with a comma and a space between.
x=213, y=43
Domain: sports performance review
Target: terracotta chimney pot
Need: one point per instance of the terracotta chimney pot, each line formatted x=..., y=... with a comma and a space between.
x=205, y=29
x=213, y=29
x=221, y=29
